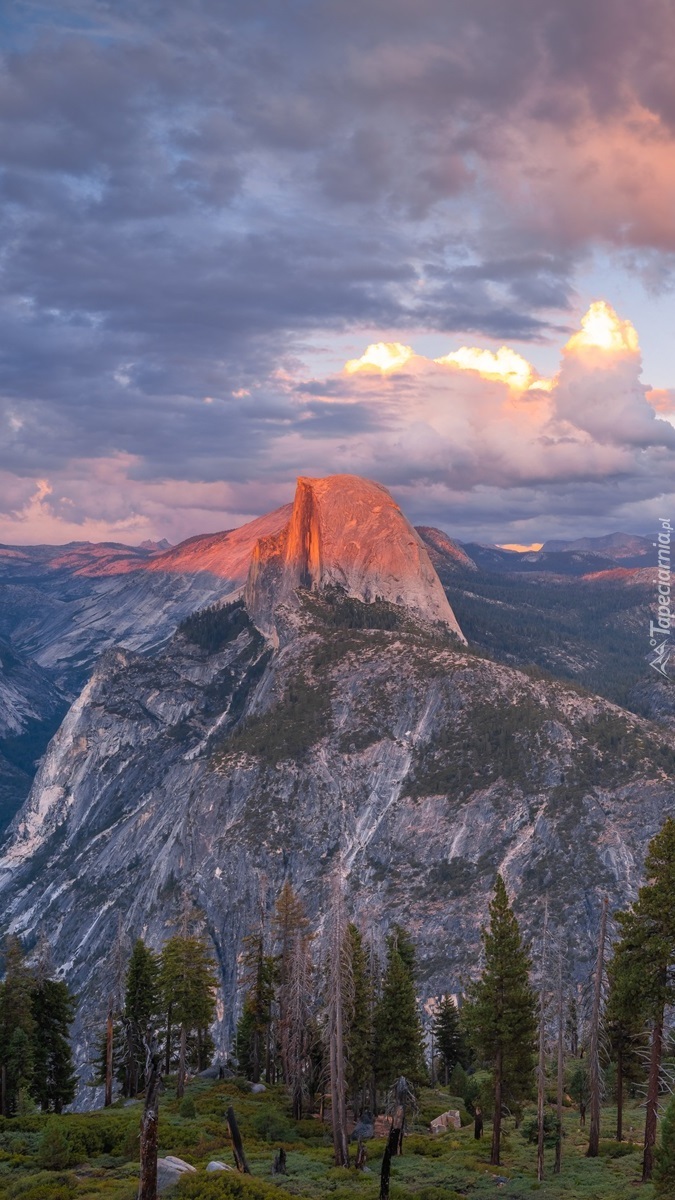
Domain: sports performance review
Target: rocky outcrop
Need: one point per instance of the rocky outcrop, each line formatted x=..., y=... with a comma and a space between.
x=85, y=599
x=31, y=708
x=427, y=767
x=346, y=532
x=447, y=556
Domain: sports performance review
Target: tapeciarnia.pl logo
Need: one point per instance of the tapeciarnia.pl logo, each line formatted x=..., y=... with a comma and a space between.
x=660, y=630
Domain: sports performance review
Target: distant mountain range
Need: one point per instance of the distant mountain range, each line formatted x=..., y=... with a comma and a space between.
x=333, y=706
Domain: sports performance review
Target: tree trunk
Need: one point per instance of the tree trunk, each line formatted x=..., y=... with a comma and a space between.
x=167, y=1060
x=541, y=1066
x=561, y=1074
x=385, y=1173
x=180, y=1085
x=541, y=1081
x=594, y=1042
x=147, y=1187
x=255, y=1057
x=651, y=1115
x=497, y=1116
x=619, y=1095
x=3, y=1099
x=336, y=1021
x=109, y=1059
x=237, y=1144
x=337, y=1088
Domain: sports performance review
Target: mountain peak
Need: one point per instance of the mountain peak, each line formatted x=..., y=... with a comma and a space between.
x=349, y=532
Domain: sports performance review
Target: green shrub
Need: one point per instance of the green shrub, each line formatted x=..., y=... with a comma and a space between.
x=664, y=1160
x=273, y=1126
x=187, y=1108
x=55, y=1150
x=42, y=1187
x=530, y=1129
x=309, y=1128
x=618, y=1149
x=425, y=1146
x=228, y=1186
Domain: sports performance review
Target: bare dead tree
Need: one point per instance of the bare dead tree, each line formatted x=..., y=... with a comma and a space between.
x=298, y=1020
x=561, y=1069
x=653, y=1089
x=390, y=1151
x=237, y=1144
x=541, y=1067
x=400, y=1098
x=595, y=1082
x=147, y=1186
x=339, y=993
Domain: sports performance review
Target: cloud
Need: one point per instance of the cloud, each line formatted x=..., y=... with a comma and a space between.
x=194, y=196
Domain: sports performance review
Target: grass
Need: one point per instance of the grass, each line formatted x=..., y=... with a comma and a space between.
x=441, y=1167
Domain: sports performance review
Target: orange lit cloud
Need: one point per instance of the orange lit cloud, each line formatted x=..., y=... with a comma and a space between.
x=662, y=400
x=504, y=364
x=602, y=329
x=382, y=357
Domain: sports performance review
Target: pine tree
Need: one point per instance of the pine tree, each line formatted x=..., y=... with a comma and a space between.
x=187, y=984
x=399, y=1042
x=664, y=1158
x=260, y=974
x=501, y=1016
x=141, y=1006
x=290, y=921
x=448, y=1036
x=338, y=1003
x=647, y=949
x=298, y=1017
x=54, y=1081
x=359, y=1032
x=244, y=1039
x=624, y=1025
x=17, y=1025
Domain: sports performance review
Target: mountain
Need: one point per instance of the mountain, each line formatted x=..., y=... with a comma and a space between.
x=326, y=720
x=63, y=606
x=447, y=556
x=31, y=709
x=345, y=532
x=616, y=546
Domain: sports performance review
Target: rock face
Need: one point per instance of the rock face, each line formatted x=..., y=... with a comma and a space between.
x=360, y=726
x=428, y=767
x=31, y=708
x=64, y=606
x=346, y=532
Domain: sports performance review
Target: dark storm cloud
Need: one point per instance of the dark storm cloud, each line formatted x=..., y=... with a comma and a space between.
x=189, y=193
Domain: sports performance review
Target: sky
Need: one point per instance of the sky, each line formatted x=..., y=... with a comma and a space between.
x=209, y=208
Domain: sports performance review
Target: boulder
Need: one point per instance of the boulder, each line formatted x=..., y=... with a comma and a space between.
x=447, y=1120
x=364, y=1128
x=169, y=1171
x=218, y=1166
x=256, y=1088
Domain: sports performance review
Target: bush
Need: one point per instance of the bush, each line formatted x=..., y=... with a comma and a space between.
x=308, y=1128
x=187, y=1108
x=425, y=1146
x=42, y=1187
x=55, y=1150
x=273, y=1126
x=228, y=1186
x=530, y=1129
x=618, y=1149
